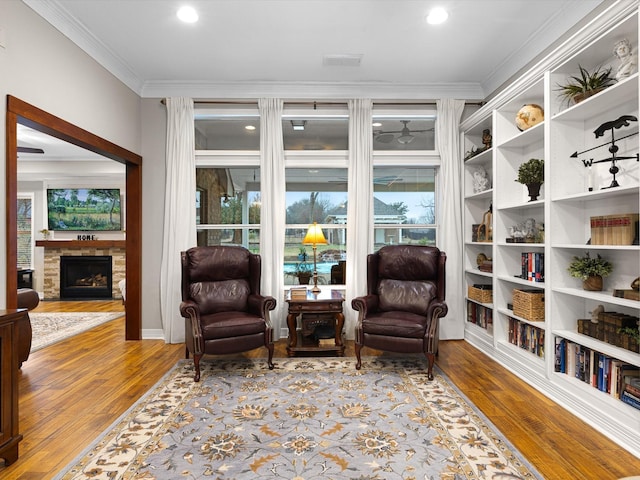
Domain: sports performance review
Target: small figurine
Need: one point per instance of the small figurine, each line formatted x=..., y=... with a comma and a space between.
x=595, y=312
x=480, y=180
x=486, y=138
x=629, y=62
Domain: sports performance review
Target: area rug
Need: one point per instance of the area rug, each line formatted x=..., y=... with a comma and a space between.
x=50, y=328
x=307, y=419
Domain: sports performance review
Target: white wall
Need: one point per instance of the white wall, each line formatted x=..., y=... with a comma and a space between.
x=42, y=67
x=154, y=125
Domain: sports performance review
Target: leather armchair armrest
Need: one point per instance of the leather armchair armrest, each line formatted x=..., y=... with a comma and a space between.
x=437, y=310
x=193, y=331
x=365, y=304
x=261, y=304
x=189, y=309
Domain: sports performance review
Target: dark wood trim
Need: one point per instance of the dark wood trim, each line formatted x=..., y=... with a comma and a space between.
x=11, y=213
x=81, y=243
x=21, y=112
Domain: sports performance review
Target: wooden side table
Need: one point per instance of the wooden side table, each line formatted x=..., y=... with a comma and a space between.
x=325, y=302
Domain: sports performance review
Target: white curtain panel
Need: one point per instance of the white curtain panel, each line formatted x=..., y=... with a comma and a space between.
x=359, y=205
x=272, y=210
x=179, y=212
x=450, y=235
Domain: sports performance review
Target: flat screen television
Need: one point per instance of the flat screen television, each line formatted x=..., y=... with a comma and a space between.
x=84, y=209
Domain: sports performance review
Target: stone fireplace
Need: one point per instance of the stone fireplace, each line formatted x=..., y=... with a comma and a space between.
x=55, y=249
x=85, y=277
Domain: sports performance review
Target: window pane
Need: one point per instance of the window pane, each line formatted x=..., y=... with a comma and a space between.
x=226, y=132
x=316, y=195
x=403, y=235
x=24, y=233
x=313, y=133
x=404, y=196
x=404, y=133
x=246, y=237
x=227, y=196
x=330, y=258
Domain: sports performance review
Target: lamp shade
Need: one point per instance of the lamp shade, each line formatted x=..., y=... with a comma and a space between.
x=314, y=235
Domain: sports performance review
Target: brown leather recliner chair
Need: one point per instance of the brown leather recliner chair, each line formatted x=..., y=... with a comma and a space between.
x=404, y=303
x=221, y=302
x=29, y=299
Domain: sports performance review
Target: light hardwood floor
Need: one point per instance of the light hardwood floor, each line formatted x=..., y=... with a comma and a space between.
x=72, y=391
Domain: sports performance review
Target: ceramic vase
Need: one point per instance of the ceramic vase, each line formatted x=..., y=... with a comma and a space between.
x=534, y=190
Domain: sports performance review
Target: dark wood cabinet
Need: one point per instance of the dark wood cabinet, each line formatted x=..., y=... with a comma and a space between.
x=9, y=436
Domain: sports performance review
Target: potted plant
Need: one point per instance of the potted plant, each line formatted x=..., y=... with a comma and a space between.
x=531, y=174
x=45, y=233
x=302, y=271
x=586, y=84
x=590, y=271
x=631, y=338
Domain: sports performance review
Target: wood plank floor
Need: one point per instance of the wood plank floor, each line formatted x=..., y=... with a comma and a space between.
x=72, y=391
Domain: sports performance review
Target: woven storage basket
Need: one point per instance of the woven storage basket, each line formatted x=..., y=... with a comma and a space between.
x=529, y=304
x=480, y=295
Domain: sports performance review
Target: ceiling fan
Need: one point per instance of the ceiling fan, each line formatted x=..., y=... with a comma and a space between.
x=386, y=180
x=405, y=136
x=29, y=150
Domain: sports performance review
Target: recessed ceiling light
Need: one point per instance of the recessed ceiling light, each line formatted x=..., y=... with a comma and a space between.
x=377, y=124
x=187, y=14
x=249, y=127
x=437, y=16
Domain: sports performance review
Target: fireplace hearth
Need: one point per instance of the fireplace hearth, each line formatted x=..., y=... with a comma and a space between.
x=85, y=277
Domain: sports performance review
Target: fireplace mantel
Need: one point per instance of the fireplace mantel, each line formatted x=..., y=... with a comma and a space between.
x=81, y=243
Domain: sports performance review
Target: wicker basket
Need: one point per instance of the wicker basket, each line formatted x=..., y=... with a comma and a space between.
x=529, y=304
x=479, y=294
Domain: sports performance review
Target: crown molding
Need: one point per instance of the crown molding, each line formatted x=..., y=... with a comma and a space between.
x=611, y=14
x=61, y=20
x=313, y=90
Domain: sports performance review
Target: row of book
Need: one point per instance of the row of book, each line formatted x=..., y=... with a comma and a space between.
x=619, y=379
x=532, y=266
x=526, y=336
x=617, y=229
x=480, y=315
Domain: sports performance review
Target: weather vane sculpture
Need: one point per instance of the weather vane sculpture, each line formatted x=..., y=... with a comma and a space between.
x=612, y=125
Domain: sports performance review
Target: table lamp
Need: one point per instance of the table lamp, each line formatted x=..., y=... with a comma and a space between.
x=314, y=237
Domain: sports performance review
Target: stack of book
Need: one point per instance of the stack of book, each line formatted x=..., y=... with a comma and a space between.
x=298, y=293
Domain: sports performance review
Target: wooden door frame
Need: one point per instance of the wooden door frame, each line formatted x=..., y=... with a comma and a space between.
x=20, y=112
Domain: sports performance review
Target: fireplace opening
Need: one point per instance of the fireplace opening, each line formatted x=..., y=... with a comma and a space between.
x=85, y=277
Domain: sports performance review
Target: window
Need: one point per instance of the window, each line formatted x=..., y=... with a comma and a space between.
x=307, y=132
x=316, y=195
x=408, y=132
x=25, y=232
x=228, y=206
x=227, y=128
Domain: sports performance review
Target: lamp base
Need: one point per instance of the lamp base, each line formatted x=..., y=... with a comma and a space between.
x=315, y=289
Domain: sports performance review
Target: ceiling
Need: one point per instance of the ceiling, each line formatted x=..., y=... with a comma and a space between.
x=241, y=48
x=251, y=48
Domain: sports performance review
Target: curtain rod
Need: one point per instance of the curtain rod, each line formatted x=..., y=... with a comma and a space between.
x=317, y=104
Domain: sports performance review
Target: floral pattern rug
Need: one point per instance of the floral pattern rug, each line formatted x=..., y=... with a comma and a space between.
x=315, y=418
x=50, y=328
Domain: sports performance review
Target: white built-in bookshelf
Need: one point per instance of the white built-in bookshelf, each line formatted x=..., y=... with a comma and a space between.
x=565, y=206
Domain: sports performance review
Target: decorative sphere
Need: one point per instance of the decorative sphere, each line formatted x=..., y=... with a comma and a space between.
x=528, y=116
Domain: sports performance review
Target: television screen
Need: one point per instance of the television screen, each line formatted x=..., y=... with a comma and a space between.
x=83, y=209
